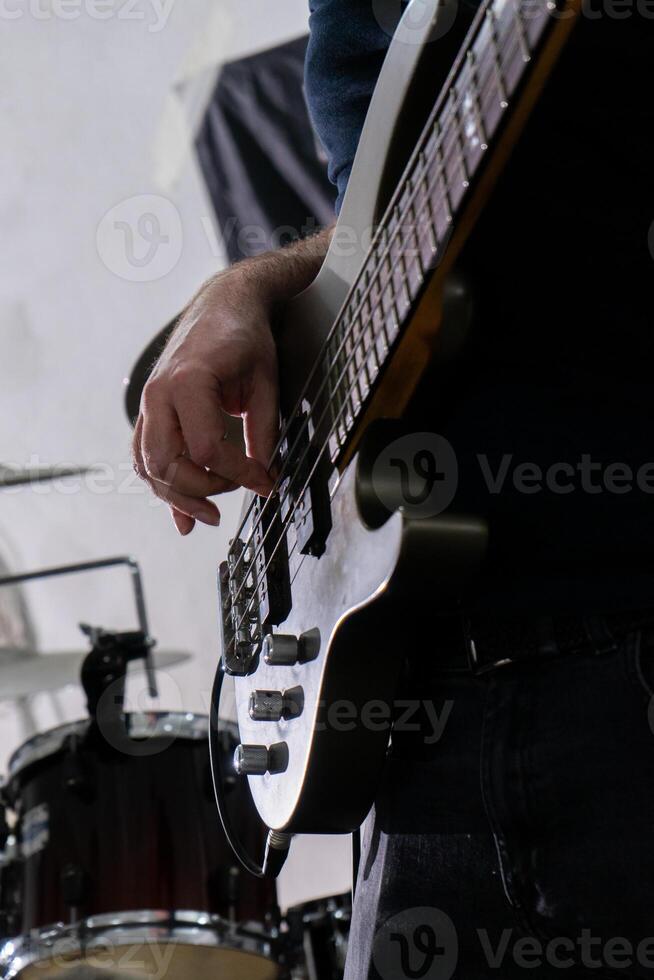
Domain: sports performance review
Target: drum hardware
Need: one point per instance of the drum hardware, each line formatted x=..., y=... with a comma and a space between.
x=103, y=677
x=90, y=566
x=74, y=889
x=75, y=777
x=317, y=935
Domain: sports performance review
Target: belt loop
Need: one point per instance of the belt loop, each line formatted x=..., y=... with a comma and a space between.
x=599, y=635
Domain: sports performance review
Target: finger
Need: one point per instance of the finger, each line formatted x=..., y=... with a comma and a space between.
x=137, y=455
x=187, y=506
x=162, y=442
x=194, y=507
x=186, y=477
x=203, y=427
x=183, y=523
x=162, y=437
x=261, y=421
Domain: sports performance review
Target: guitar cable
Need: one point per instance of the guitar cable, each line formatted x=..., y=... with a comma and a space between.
x=277, y=842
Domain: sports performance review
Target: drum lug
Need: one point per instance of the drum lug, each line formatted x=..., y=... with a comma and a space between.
x=74, y=881
x=75, y=776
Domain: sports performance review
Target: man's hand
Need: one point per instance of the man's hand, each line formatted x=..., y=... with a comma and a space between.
x=220, y=359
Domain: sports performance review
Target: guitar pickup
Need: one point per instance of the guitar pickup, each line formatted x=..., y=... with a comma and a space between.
x=305, y=491
x=271, y=568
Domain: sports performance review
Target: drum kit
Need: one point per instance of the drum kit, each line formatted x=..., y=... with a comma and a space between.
x=113, y=863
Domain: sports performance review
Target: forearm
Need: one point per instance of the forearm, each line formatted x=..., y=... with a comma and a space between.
x=272, y=277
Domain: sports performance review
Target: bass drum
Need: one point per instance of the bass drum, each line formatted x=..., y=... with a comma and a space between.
x=122, y=865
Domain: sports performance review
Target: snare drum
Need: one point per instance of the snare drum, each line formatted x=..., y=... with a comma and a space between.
x=122, y=863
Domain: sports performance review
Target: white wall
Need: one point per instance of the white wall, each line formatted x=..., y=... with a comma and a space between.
x=93, y=119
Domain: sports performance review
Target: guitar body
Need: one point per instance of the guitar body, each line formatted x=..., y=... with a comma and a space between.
x=318, y=709
x=359, y=608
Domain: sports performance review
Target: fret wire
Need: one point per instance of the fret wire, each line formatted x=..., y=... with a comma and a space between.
x=524, y=44
x=322, y=387
x=414, y=237
x=444, y=181
x=432, y=218
x=496, y=60
x=475, y=99
x=441, y=172
x=458, y=136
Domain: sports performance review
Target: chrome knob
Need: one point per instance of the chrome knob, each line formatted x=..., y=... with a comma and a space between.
x=275, y=705
x=281, y=650
x=266, y=706
x=257, y=760
x=251, y=760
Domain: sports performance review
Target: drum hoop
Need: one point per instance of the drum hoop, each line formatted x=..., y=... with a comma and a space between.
x=181, y=724
x=185, y=927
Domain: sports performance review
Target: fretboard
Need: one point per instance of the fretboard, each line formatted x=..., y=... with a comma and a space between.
x=413, y=235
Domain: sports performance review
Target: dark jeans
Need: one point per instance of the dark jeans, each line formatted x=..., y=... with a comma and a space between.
x=521, y=842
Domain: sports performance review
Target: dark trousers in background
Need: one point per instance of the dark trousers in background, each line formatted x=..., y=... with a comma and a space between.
x=515, y=838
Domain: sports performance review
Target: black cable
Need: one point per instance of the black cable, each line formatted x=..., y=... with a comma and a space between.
x=218, y=777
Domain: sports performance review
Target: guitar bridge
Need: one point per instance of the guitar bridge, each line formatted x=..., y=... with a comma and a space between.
x=255, y=590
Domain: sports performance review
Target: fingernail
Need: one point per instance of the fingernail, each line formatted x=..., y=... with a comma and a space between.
x=210, y=517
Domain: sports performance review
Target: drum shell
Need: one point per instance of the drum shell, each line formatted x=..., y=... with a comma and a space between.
x=131, y=831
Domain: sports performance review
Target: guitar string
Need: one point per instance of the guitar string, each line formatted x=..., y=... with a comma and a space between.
x=347, y=337
x=451, y=110
x=288, y=520
x=344, y=407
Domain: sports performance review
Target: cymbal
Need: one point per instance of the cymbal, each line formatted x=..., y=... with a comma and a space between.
x=11, y=476
x=23, y=673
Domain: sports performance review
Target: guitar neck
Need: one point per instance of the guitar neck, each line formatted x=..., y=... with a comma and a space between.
x=510, y=44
